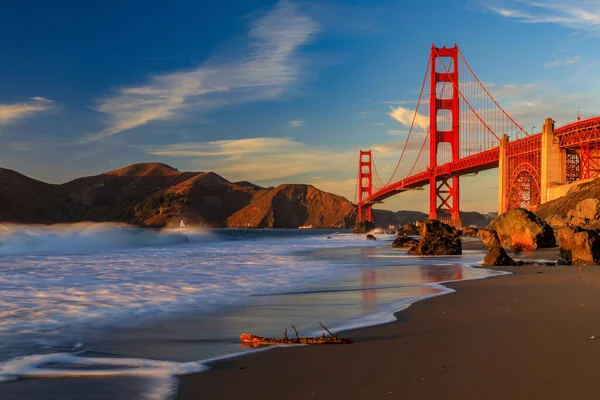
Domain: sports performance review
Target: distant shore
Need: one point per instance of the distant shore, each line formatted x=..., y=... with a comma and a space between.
x=522, y=336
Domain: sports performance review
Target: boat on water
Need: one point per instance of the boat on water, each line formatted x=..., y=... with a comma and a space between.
x=305, y=227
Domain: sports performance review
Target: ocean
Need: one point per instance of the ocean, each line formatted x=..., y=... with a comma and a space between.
x=119, y=312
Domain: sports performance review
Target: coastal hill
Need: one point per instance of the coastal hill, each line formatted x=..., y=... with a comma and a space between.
x=563, y=205
x=157, y=195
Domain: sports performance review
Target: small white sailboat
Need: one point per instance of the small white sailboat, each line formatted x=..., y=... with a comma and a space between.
x=182, y=224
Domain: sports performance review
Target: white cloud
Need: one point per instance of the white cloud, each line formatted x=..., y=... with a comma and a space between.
x=562, y=61
x=580, y=15
x=296, y=123
x=405, y=117
x=262, y=71
x=35, y=105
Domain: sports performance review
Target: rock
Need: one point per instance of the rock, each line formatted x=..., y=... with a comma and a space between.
x=498, y=257
x=470, y=231
x=489, y=237
x=588, y=209
x=363, y=227
x=521, y=229
x=437, y=238
x=408, y=229
x=371, y=237
x=404, y=241
x=578, y=246
x=556, y=221
x=578, y=221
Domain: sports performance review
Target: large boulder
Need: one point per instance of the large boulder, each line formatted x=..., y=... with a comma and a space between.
x=404, y=241
x=496, y=256
x=579, y=246
x=363, y=227
x=521, y=229
x=489, y=237
x=437, y=238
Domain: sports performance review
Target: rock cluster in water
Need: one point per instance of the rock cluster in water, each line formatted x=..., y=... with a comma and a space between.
x=437, y=238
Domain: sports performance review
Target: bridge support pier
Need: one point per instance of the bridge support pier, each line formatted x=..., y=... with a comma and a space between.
x=553, y=161
x=502, y=178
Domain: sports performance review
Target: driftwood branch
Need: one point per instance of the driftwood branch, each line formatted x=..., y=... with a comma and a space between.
x=324, y=327
x=258, y=341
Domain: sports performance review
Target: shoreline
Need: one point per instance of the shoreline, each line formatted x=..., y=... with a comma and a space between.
x=488, y=329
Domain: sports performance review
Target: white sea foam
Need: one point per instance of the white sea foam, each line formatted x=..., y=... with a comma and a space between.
x=73, y=278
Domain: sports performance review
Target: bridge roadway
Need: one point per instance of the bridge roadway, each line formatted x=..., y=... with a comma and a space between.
x=477, y=162
x=571, y=136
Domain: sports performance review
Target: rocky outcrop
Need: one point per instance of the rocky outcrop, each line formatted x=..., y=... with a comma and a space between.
x=437, y=238
x=371, y=237
x=404, y=241
x=520, y=229
x=578, y=246
x=575, y=195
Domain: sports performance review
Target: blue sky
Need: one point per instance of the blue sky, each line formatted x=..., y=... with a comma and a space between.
x=271, y=91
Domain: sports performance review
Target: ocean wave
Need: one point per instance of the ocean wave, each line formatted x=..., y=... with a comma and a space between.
x=86, y=237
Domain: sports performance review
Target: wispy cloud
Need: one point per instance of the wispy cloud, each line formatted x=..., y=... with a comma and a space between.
x=580, y=15
x=268, y=65
x=260, y=158
x=396, y=132
x=296, y=123
x=405, y=117
x=562, y=61
x=34, y=105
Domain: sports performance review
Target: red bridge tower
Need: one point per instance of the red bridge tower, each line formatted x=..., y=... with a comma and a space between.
x=444, y=191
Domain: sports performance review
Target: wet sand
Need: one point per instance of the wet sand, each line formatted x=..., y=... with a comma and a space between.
x=531, y=335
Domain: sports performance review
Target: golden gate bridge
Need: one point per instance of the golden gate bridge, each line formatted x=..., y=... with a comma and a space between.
x=470, y=132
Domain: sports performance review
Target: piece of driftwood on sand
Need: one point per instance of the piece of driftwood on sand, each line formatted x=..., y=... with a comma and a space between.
x=253, y=340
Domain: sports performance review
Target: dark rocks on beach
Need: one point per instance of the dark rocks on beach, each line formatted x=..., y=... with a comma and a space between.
x=520, y=229
x=578, y=246
x=408, y=229
x=437, y=238
x=496, y=256
x=363, y=227
x=371, y=237
x=405, y=241
x=470, y=231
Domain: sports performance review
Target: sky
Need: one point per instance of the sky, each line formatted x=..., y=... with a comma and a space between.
x=273, y=91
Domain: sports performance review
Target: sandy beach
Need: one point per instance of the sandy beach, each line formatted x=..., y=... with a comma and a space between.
x=531, y=335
